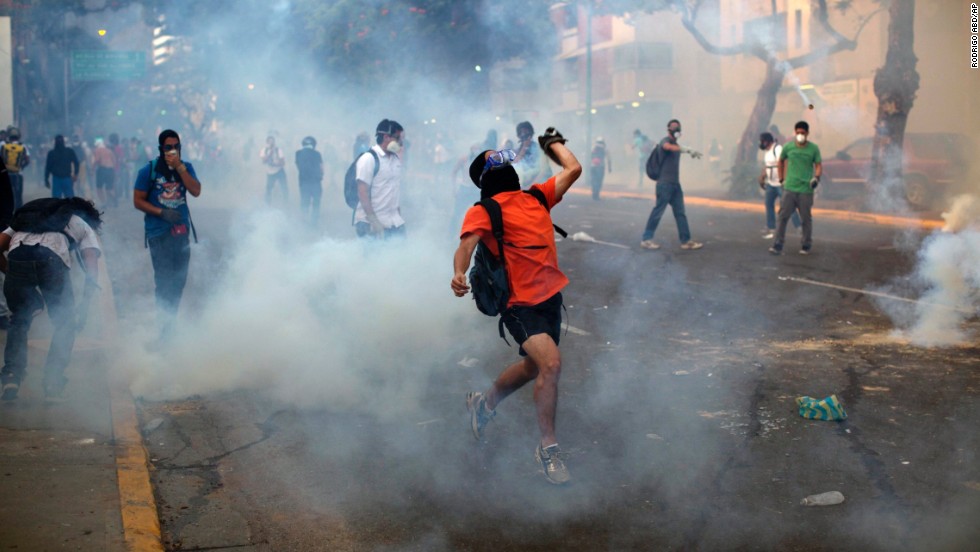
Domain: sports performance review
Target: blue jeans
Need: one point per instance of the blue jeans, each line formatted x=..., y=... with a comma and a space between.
x=62, y=187
x=668, y=193
x=171, y=256
x=17, y=185
x=772, y=194
x=31, y=268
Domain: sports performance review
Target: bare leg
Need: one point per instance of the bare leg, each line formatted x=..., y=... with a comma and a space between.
x=543, y=364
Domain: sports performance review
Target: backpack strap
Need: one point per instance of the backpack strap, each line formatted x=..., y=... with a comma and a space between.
x=153, y=177
x=377, y=167
x=539, y=195
x=497, y=229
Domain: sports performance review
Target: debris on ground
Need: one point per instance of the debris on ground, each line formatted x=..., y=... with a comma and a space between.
x=829, y=408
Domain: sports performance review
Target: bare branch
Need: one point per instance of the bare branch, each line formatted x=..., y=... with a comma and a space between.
x=843, y=43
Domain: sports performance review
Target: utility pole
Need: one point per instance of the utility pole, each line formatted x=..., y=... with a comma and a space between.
x=588, y=77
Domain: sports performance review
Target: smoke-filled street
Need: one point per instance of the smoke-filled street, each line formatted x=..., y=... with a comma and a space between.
x=677, y=409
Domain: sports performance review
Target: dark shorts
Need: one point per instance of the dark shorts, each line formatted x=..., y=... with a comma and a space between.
x=104, y=177
x=543, y=318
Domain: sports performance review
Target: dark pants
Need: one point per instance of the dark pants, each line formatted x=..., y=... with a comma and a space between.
x=310, y=193
x=31, y=268
x=17, y=185
x=171, y=255
x=270, y=183
x=596, y=174
x=791, y=203
x=668, y=194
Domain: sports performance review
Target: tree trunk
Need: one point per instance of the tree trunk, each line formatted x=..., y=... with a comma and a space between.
x=765, y=105
x=896, y=83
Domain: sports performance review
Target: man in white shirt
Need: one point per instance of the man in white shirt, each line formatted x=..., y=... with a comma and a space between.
x=36, y=261
x=769, y=182
x=379, y=181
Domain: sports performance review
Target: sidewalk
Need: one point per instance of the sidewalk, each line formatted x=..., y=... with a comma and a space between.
x=74, y=472
x=58, y=483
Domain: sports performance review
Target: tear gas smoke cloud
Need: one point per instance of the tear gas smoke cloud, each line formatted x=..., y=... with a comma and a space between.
x=334, y=323
x=946, y=279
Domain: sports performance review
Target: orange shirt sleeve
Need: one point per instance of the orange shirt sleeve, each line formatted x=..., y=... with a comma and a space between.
x=476, y=221
x=548, y=188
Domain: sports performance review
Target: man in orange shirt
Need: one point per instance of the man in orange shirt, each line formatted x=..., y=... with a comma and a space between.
x=533, y=314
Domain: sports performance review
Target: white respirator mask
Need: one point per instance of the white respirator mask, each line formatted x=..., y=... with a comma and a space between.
x=801, y=138
x=393, y=147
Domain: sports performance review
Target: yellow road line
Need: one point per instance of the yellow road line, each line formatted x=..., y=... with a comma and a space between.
x=758, y=207
x=141, y=525
x=140, y=521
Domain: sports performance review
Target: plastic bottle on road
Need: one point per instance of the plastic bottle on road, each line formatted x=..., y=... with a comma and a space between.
x=823, y=499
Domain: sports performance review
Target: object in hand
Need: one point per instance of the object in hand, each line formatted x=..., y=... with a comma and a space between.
x=550, y=136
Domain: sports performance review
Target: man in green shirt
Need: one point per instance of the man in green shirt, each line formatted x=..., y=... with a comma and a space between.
x=800, y=168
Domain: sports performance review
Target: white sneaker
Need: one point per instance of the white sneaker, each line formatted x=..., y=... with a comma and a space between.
x=649, y=244
x=769, y=235
x=692, y=245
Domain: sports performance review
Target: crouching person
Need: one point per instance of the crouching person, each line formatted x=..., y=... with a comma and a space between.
x=36, y=260
x=532, y=311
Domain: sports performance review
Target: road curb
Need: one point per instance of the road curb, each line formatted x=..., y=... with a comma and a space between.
x=757, y=207
x=137, y=505
x=140, y=522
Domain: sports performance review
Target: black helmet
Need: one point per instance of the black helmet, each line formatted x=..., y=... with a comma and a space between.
x=309, y=141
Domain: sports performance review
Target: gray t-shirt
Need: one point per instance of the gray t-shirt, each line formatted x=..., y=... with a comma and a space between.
x=670, y=171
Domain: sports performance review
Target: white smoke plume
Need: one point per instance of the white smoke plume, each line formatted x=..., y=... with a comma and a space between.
x=947, y=276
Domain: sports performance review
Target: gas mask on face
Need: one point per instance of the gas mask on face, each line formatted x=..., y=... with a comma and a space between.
x=801, y=138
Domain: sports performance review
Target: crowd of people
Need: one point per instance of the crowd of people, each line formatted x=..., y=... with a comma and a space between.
x=508, y=200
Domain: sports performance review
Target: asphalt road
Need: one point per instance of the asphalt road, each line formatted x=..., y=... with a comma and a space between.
x=676, y=410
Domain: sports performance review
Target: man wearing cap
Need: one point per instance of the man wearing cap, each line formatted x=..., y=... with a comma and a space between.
x=533, y=311
x=379, y=181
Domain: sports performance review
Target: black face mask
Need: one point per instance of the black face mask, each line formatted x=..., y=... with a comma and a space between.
x=764, y=146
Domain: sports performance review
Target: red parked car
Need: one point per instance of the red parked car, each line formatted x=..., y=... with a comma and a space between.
x=935, y=166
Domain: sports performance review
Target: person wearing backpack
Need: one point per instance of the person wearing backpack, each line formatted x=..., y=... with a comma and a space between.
x=16, y=157
x=669, y=189
x=36, y=259
x=379, y=181
x=160, y=191
x=309, y=165
x=532, y=310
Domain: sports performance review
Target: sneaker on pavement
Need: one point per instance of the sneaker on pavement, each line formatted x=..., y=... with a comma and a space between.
x=805, y=251
x=769, y=235
x=692, y=245
x=554, y=468
x=775, y=251
x=480, y=415
x=649, y=244
x=10, y=390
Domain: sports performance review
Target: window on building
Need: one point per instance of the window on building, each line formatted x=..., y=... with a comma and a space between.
x=569, y=74
x=798, y=30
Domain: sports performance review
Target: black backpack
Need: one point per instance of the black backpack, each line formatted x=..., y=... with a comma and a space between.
x=47, y=214
x=654, y=162
x=350, y=179
x=488, y=275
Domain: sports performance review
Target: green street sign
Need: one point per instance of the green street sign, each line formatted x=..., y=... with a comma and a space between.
x=98, y=65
